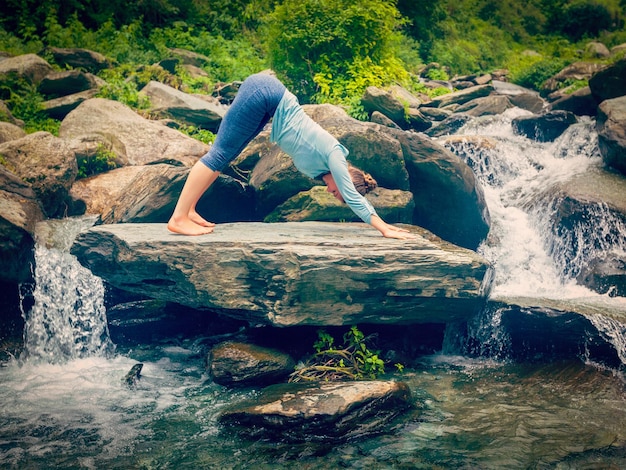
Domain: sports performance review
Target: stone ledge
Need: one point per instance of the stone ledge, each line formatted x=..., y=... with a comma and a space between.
x=293, y=273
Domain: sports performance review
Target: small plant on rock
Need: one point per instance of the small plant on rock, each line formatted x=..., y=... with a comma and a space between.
x=353, y=360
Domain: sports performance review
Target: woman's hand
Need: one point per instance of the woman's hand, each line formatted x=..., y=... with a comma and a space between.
x=389, y=231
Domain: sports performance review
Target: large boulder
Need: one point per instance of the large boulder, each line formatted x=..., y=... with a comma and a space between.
x=319, y=412
x=19, y=212
x=609, y=82
x=135, y=140
x=545, y=127
x=10, y=131
x=294, y=273
x=449, y=201
x=392, y=205
x=148, y=193
x=611, y=127
x=585, y=251
x=79, y=58
x=233, y=363
x=166, y=101
x=30, y=67
x=47, y=163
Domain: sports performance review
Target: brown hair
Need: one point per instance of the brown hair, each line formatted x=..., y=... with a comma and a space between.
x=363, y=182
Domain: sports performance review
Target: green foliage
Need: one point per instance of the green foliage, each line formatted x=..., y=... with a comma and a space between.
x=120, y=86
x=102, y=161
x=313, y=38
x=203, y=135
x=347, y=89
x=25, y=103
x=352, y=360
x=233, y=59
x=587, y=18
x=536, y=73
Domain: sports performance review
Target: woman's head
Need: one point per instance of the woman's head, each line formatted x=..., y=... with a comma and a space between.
x=363, y=182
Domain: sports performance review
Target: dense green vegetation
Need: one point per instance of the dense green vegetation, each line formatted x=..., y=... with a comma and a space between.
x=325, y=50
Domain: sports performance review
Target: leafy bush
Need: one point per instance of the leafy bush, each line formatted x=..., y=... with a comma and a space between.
x=582, y=19
x=102, y=161
x=330, y=39
x=25, y=103
x=120, y=88
x=353, y=360
x=203, y=135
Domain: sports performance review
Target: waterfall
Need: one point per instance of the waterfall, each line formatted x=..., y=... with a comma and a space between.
x=68, y=318
x=533, y=258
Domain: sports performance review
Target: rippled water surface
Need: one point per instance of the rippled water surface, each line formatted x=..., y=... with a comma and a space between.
x=468, y=414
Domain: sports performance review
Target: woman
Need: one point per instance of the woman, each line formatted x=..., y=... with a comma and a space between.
x=314, y=151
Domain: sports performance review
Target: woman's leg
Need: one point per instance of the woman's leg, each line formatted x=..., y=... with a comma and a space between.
x=185, y=220
x=253, y=107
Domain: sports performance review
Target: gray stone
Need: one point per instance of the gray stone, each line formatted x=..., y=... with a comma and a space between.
x=461, y=97
x=135, y=140
x=241, y=364
x=611, y=126
x=19, y=212
x=31, y=67
x=294, y=273
x=392, y=205
x=321, y=411
x=47, y=163
x=166, y=101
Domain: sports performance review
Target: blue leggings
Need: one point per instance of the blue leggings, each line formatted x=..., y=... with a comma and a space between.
x=253, y=107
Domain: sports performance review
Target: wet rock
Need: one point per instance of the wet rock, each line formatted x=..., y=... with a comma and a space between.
x=611, y=126
x=132, y=376
x=609, y=82
x=449, y=125
x=19, y=213
x=293, y=273
x=320, y=412
x=593, y=195
x=485, y=106
x=461, y=216
x=581, y=103
x=546, y=127
x=241, y=364
x=537, y=329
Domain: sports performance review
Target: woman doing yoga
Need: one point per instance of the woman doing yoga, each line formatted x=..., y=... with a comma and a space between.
x=314, y=151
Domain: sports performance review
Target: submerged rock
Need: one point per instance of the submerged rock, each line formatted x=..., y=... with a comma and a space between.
x=320, y=411
x=294, y=273
x=232, y=363
x=133, y=375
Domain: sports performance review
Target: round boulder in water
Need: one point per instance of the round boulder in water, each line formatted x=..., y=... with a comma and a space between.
x=319, y=412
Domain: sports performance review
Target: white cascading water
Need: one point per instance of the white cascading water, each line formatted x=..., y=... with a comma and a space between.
x=530, y=259
x=68, y=318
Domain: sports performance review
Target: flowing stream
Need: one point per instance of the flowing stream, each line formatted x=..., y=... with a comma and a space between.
x=65, y=406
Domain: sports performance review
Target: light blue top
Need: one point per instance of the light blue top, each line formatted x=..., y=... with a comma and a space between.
x=315, y=152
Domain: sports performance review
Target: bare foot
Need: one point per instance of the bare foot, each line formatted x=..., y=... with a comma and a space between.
x=186, y=226
x=198, y=219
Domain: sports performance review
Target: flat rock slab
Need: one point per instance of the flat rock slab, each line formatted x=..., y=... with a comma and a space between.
x=320, y=411
x=293, y=273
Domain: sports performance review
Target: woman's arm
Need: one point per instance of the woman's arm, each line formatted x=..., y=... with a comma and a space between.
x=389, y=231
